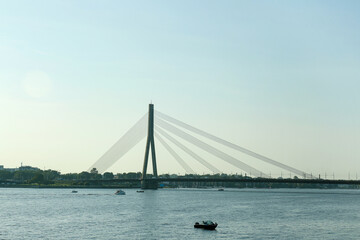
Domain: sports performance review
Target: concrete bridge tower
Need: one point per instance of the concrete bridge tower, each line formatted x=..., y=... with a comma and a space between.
x=145, y=183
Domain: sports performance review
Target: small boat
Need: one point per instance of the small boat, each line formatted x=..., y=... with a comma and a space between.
x=220, y=189
x=119, y=192
x=208, y=225
x=140, y=191
x=73, y=191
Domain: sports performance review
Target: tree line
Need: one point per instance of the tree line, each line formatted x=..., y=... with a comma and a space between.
x=50, y=176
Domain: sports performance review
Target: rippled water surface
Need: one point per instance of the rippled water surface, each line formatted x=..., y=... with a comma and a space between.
x=171, y=213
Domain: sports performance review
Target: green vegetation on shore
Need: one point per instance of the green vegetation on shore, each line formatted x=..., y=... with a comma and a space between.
x=54, y=179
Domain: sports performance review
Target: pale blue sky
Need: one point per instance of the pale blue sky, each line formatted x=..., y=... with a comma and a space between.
x=278, y=77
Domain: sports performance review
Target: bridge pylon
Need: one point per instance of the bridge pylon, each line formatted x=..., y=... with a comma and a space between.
x=145, y=184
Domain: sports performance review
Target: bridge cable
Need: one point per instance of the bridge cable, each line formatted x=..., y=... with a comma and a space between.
x=229, y=159
x=231, y=145
x=132, y=137
x=187, y=150
x=175, y=155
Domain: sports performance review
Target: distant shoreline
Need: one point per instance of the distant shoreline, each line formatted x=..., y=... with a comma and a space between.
x=166, y=187
x=50, y=186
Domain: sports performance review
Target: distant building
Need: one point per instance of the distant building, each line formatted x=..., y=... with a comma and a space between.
x=28, y=168
x=10, y=169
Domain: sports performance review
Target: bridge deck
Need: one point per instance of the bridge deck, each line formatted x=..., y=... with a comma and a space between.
x=214, y=180
x=239, y=180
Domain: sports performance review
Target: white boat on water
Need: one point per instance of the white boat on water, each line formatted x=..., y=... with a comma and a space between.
x=119, y=192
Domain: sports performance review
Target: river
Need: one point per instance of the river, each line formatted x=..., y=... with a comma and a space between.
x=170, y=214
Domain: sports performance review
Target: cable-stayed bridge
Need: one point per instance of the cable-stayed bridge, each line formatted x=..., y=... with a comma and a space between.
x=166, y=129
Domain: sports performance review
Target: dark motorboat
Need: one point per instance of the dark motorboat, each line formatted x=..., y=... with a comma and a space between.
x=208, y=225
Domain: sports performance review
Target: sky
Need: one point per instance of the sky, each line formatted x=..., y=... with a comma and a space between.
x=280, y=78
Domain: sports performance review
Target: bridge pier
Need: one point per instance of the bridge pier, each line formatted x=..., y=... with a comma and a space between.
x=149, y=184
